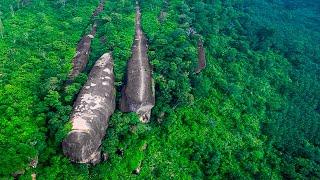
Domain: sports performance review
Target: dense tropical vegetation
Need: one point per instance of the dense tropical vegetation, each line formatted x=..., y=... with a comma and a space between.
x=252, y=113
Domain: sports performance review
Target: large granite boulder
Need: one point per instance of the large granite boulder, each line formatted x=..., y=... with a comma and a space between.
x=92, y=109
x=138, y=92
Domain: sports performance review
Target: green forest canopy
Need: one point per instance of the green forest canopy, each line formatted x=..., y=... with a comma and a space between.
x=254, y=112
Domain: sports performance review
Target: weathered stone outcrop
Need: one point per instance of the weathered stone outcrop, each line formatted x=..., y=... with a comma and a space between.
x=99, y=9
x=81, y=57
x=191, y=32
x=80, y=60
x=92, y=109
x=138, y=92
x=201, y=57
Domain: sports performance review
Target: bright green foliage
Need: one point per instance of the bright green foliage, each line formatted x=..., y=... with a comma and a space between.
x=115, y=33
x=252, y=113
x=225, y=122
x=36, y=50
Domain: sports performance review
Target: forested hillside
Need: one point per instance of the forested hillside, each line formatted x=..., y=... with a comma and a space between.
x=251, y=112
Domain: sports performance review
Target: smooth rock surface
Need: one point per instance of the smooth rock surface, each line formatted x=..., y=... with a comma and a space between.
x=92, y=109
x=138, y=92
x=80, y=59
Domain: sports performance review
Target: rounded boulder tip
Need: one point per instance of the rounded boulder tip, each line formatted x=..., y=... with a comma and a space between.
x=78, y=146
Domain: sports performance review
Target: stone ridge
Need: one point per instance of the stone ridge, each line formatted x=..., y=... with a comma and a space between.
x=138, y=92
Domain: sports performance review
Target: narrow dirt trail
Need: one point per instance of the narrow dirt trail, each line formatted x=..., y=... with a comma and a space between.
x=138, y=92
x=81, y=57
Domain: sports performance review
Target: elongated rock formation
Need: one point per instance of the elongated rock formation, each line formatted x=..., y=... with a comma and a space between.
x=138, y=92
x=201, y=57
x=81, y=57
x=80, y=60
x=99, y=9
x=92, y=109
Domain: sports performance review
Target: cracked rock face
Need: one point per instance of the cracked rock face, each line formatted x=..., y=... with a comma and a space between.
x=92, y=109
x=138, y=92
